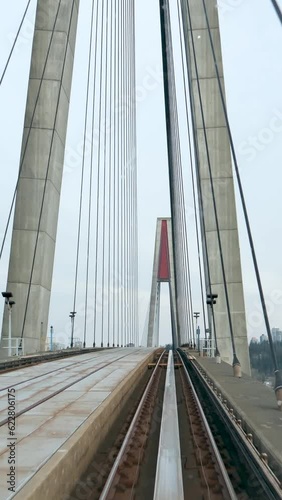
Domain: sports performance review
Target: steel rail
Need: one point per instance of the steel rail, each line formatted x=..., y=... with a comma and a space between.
x=109, y=482
x=251, y=453
x=51, y=371
x=222, y=470
x=35, y=359
x=59, y=391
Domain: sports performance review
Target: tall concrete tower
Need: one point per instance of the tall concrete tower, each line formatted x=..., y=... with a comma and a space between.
x=41, y=168
x=163, y=272
x=196, y=29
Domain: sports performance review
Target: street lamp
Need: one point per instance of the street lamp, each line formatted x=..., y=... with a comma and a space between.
x=51, y=338
x=196, y=316
x=72, y=316
x=10, y=303
x=211, y=301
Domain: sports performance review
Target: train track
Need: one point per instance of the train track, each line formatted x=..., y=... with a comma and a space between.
x=204, y=472
x=49, y=372
x=134, y=463
x=247, y=469
x=17, y=363
x=126, y=468
x=76, y=380
x=209, y=468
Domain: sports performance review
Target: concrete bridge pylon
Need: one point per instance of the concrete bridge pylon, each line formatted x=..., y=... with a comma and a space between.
x=41, y=168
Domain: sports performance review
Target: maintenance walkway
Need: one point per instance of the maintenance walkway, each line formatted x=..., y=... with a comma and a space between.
x=253, y=403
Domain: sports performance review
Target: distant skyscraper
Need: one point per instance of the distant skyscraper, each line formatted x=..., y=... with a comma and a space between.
x=276, y=335
x=263, y=338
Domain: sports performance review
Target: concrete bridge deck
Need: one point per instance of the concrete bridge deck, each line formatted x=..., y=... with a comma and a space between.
x=64, y=408
x=255, y=404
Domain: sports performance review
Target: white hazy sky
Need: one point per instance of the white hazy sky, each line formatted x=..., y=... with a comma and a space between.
x=251, y=41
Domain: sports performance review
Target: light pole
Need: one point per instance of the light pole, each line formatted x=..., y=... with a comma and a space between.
x=51, y=338
x=211, y=301
x=196, y=316
x=10, y=303
x=72, y=316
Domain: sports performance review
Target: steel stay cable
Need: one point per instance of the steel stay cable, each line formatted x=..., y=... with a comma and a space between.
x=115, y=175
x=126, y=193
x=14, y=43
x=98, y=175
x=191, y=164
x=90, y=184
x=166, y=51
x=123, y=298
x=28, y=134
x=120, y=183
x=92, y=134
x=277, y=9
x=130, y=170
x=110, y=298
x=118, y=277
x=134, y=170
x=184, y=256
x=184, y=251
x=125, y=232
x=105, y=173
x=128, y=181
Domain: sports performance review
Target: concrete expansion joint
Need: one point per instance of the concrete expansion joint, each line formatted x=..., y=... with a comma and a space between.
x=45, y=79
x=61, y=86
x=194, y=28
x=27, y=283
x=229, y=283
x=203, y=29
x=34, y=231
x=227, y=230
x=43, y=179
x=207, y=78
x=65, y=92
x=213, y=127
x=51, y=31
x=217, y=177
x=47, y=128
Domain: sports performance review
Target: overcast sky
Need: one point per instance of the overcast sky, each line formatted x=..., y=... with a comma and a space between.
x=252, y=41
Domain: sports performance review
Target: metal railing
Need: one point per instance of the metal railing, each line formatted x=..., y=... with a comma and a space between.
x=16, y=347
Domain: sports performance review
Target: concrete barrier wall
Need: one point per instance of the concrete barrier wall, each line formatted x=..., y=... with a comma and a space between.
x=58, y=477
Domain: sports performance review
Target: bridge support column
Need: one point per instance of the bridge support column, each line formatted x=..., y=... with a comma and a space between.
x=163, y=271
x=41, y=168
x=222, y=178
